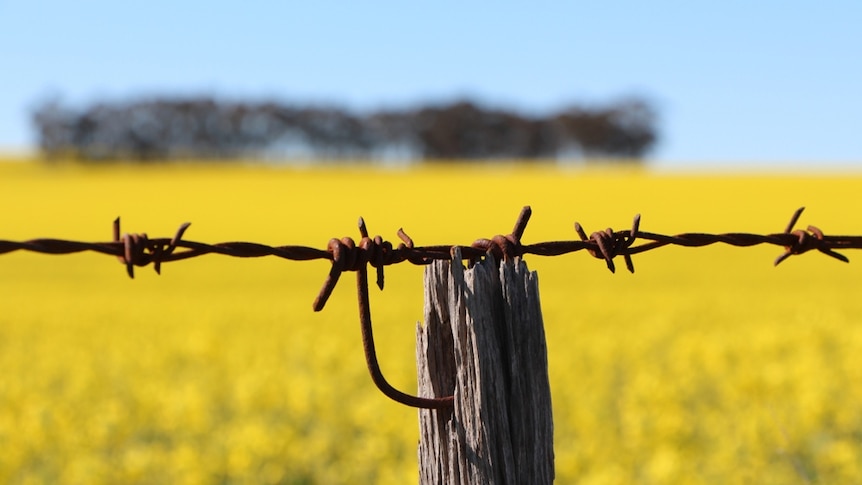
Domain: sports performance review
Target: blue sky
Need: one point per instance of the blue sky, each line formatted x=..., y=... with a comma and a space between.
x=735, y=82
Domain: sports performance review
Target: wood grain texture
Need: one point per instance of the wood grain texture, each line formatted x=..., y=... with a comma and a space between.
x=484, y=340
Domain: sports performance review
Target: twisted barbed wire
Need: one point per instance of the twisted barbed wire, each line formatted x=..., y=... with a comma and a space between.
x=346, y=254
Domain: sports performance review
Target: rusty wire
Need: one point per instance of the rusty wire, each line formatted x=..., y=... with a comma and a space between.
x=346, y=254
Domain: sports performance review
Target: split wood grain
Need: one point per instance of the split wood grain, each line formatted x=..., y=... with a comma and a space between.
x=483, y=340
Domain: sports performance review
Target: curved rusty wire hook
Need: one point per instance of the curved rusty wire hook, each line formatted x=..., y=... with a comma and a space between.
x=371, y=355
x=349, y=256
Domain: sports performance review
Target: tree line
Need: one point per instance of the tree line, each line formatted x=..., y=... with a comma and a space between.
x=206, y=128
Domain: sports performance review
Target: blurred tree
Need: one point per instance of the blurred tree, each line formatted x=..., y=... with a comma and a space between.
x=625, y=130
x=206, y=128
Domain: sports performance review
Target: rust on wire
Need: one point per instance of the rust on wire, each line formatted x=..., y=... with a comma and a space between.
x=806, y=241
x=138, y=250
x=610, y=244
x=345, y=254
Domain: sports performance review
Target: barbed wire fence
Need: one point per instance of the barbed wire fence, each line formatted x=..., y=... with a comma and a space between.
x=347, y=254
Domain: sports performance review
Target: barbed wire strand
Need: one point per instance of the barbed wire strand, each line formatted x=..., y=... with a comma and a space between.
x=346, y=254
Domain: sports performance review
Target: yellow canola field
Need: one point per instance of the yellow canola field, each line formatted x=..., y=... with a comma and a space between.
x=707, y=365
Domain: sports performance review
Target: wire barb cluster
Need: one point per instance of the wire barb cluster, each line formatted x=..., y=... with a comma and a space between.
x=346, y=254
x=138, y=250
x=805, y=241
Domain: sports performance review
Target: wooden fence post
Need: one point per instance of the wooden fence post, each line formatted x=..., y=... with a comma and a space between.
x=483, y=337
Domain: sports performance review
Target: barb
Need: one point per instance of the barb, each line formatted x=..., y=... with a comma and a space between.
x=611, y=244
x=806, y=241
x=346, y=254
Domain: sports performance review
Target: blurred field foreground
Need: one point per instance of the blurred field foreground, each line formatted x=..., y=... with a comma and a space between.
x=706, y=366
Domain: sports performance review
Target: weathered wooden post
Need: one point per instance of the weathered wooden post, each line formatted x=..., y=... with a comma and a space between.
x=483, y=337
